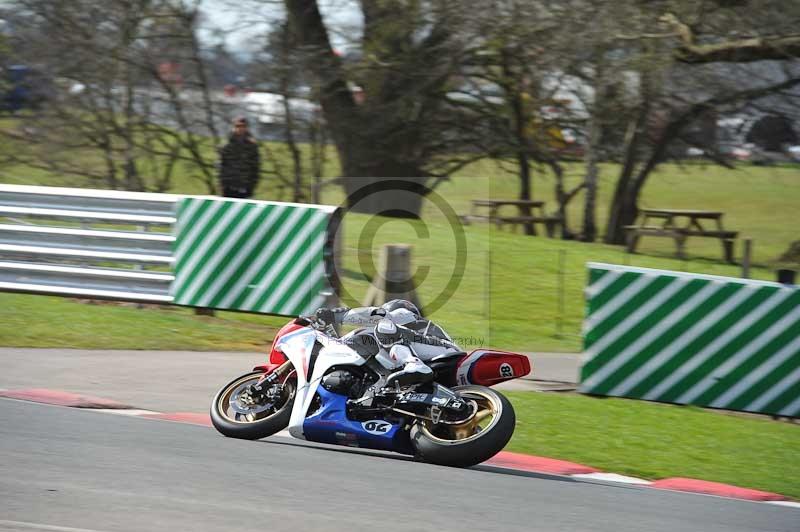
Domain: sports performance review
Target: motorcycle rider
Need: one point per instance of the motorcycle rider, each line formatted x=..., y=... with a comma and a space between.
x=403, y=336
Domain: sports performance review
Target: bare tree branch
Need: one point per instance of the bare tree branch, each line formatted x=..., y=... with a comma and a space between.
x=776, y=47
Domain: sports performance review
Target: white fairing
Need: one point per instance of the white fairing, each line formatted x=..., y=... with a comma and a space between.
x=298, y=346
x=462, y=374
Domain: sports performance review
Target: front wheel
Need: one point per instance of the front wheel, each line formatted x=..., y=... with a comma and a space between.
x=470, y=442
x=237, y=413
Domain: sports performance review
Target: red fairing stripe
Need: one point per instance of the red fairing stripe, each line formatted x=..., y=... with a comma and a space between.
x=487, y=368
x=276, y=357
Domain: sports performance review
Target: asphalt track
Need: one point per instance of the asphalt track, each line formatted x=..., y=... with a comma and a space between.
x=175, y=380
x=72, y=470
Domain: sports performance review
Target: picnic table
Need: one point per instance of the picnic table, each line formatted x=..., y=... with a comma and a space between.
x=680, y=224
x=528, y=212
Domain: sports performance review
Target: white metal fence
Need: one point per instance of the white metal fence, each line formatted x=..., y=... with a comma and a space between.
x=87, y=243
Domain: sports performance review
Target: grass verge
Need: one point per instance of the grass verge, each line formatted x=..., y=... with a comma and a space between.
x=39, y=321
x=650, y=440
x=517, y=292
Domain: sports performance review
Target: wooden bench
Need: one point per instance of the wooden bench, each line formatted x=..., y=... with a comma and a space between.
x=551, y=223
x=675, y=227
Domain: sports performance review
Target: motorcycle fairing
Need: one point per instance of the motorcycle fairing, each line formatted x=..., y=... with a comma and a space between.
x=329, y=424
x=486, y=368
x=301, y=348
x=276, y=357
x=267, y=368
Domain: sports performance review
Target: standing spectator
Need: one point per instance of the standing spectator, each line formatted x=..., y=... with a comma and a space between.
x=239, y=162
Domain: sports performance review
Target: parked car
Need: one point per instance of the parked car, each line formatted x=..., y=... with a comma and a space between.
x=736, y=152
x=25, y=87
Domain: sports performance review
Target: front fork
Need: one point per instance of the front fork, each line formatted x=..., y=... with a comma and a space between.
x=268, y=380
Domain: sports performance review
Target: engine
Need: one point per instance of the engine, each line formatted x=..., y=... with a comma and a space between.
x=345, y=382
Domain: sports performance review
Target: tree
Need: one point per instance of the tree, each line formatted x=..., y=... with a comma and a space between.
x=508, y=85
x=713, y=66
x=297, y=120
x=644, y=82
x=134, y=98
x=408, y=53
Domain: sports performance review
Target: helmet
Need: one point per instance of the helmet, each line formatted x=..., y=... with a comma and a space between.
x=402, y=316
x=395, y=304
x=387, y=333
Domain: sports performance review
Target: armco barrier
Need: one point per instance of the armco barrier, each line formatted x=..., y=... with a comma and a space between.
x=75, y=242
x=692, y=339
x=258, y=256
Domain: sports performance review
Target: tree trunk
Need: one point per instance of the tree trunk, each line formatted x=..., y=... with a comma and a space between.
x=627, y=208
x=378, y=179
x=525, y=188
x=317, y=155
x=623, y=211
x=596, y=123
x=519, y=120
x=624, y=208
x=398, y=195
x=562, y=197
x=297, y=160
x=589, y=232
x=289, y=122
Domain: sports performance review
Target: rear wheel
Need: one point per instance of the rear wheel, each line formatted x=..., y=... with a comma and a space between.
x=237, y=413
x=484, y=433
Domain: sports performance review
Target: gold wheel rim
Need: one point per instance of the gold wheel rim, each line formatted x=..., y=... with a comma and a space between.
x=225, y=398
x=488, y=406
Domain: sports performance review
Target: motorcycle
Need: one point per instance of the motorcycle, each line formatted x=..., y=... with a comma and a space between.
x=332, y=390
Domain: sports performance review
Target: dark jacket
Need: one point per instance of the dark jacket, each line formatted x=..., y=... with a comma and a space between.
x=239, y=167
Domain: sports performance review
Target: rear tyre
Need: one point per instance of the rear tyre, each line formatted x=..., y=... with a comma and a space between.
x=236, y=415
x=472, y=442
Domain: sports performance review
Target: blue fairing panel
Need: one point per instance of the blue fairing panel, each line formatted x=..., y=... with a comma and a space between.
x=329, y=424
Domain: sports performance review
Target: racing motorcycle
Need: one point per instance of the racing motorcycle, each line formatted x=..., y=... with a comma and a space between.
x=332, y=390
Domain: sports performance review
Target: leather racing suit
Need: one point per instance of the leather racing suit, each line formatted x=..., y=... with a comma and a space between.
x=405, y=340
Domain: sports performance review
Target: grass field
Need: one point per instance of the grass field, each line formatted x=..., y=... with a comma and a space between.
x=512, y=300
x=649, y=440
x=526, y=292
x=762, y=203
x=517, y=292
x=38, y=321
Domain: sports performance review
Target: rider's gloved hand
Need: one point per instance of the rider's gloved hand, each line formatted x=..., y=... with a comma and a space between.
x=325, y=316
x=328, y=316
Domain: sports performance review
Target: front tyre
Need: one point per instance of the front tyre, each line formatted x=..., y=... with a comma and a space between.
x=473, y=441
x=236, y=413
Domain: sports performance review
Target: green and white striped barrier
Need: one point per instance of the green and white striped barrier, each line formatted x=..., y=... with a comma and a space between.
x=253, y=256
x=692, y=339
